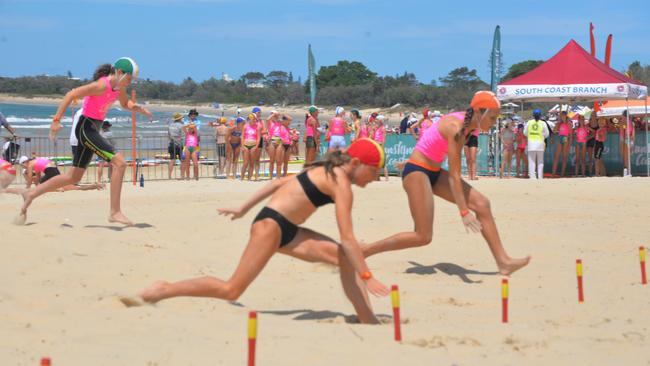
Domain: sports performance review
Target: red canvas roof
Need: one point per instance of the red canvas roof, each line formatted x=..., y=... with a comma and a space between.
x=571, y=65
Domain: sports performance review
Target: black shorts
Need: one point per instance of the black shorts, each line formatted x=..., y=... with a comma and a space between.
x=49, y=173
x=410, y=168
x=288, y=229
x=221, y=149
x=598, y=149
x=591, y=142
x=91, y=143
x=175, y=151
x=309, y=142
x=472, y=141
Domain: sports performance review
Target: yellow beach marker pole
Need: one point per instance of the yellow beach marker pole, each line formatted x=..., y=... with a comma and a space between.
x=394, y=296
x=504, y=300
x=252, y=337
x=581, y=294
x=644, y=279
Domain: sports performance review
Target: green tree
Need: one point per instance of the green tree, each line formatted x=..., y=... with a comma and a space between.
x=344, y=73
x=277, y=79
x=460, y=84
x=521, y=68
x=252, y=77
x=640, y=73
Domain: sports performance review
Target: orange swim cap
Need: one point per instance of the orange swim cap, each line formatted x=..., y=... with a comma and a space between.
x=485, y=99
x=368, y=152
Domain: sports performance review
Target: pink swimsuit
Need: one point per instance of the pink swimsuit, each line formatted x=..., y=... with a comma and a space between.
x=337, y=126
x=274, y=128
x=425, y=125
x=309, y=126
x=40, y=164
x=96, y=106
x=191, y=140
x=581, y=134
x=363, y=130
x=379, y=134
x=250, y=133
x=563, y=129
x=432, y=144
x=284, y=135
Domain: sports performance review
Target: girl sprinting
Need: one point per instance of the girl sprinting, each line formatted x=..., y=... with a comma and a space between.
x=423, y=177
x=98, y=96
x=275, y=229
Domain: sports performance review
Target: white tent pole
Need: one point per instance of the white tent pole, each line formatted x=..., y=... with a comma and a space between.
x=627, y=137
x=647, y=148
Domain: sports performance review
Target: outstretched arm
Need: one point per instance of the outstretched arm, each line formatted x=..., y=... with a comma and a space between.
x=455, y=140
x=350, y=245
x=130, y=105
x=256, y=198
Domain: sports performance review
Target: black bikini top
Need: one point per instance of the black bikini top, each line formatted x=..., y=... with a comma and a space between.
x=314, y=194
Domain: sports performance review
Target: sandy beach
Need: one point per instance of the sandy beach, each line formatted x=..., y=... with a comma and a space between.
x=63, y=274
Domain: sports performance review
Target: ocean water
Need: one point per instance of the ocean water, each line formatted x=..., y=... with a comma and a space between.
x=33, y=120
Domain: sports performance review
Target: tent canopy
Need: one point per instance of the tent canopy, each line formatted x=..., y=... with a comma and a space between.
x=616, y=107
x=572, y=75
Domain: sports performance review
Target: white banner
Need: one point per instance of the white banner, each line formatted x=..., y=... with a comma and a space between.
x=570, y=92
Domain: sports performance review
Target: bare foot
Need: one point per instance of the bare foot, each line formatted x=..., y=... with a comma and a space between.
x=512, y=265
x=154, y=293
x=27, y=200
x=120, y=218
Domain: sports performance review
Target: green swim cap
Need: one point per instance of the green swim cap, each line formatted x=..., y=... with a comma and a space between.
x=127, y=65
x=312, y=109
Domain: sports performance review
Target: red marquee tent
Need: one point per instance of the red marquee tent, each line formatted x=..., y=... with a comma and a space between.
x=572, y=75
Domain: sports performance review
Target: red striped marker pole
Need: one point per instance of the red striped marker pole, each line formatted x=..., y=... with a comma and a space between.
x=581, y=294
x=504, y=300
x=394, y=296
x=45, y=361
x=644, y=280
x=252, y=337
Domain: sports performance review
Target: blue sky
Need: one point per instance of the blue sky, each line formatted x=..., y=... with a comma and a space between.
x=174, y=39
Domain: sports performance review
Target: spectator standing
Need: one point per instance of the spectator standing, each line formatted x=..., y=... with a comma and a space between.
x=536, y=131
x=175, y=147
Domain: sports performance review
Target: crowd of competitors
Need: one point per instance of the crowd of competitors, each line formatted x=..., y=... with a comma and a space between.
x=584, y=130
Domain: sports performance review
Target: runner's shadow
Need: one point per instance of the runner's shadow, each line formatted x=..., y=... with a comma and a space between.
x=449, y=269
x=141, y=225
x=323, y=315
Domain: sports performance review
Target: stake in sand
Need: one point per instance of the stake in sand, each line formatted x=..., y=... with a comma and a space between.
x=504, y=300
x=394, y=296
x=581, y=294
x=252, y=337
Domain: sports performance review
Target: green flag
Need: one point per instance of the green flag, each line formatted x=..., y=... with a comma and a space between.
x=495, y=59
x=312, y=76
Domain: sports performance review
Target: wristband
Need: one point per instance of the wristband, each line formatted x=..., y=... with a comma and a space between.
x=366, y=275
x=464, y=213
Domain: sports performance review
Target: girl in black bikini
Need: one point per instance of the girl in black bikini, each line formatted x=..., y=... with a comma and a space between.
x=275, y=229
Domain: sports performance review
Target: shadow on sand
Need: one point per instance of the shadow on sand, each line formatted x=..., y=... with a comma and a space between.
x=449, y=269
x=140, y=225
